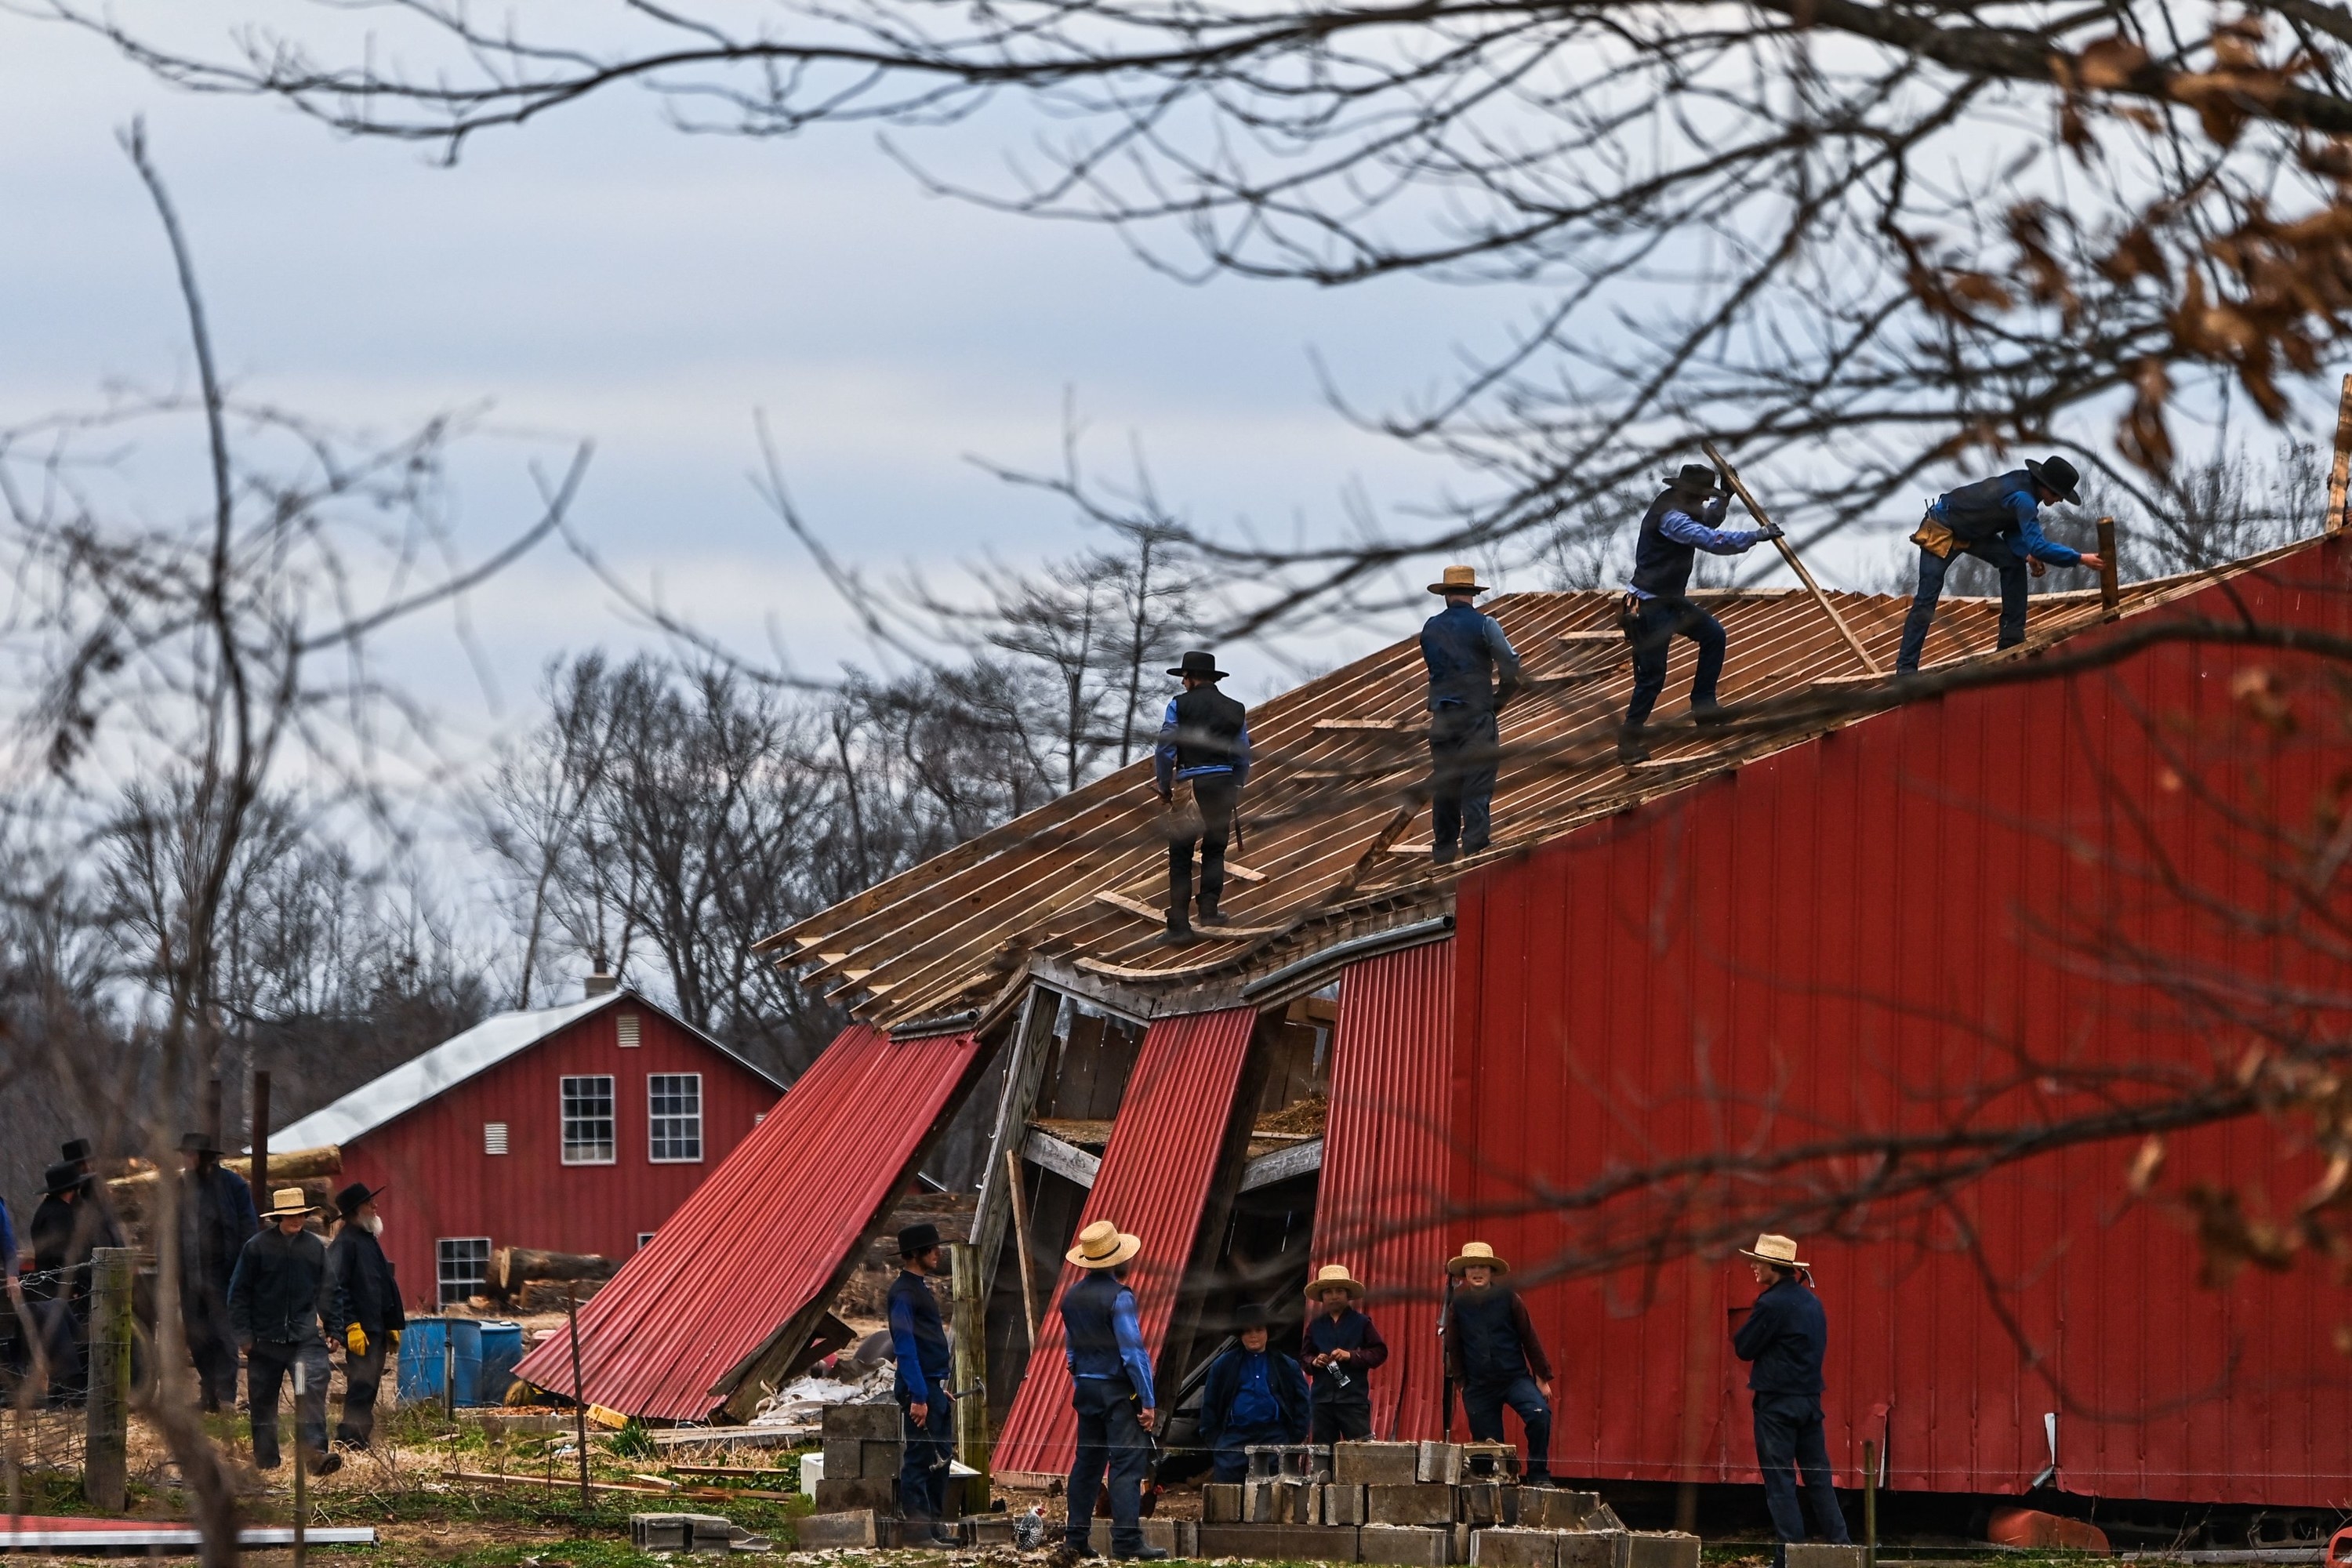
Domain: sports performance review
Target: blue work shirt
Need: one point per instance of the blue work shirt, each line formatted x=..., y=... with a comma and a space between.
x=1703, y=532
x=2023, y=531
x=918, y=1337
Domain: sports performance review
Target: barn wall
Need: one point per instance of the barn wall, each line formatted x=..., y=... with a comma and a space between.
x=443, y=1185
x=1970, y=910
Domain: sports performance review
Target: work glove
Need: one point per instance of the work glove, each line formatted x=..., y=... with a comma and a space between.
x=1770, y=532
x=356, y=1337
x=392, y=1341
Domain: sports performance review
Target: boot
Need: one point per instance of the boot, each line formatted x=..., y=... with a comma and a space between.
x=1208, y=908
x=1631, y=745
x=1710, y=716
x=1179, y=932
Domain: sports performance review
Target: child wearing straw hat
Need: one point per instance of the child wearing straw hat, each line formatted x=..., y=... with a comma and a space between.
x=1493, y=1357
x=278, y=1301
x=1784, y=1340
x=1341, y=1347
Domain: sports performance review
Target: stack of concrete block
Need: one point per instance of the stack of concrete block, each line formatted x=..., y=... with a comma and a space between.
x=680, y=1532
x=862, y=1453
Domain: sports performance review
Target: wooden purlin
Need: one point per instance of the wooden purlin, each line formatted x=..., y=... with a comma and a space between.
x=915, y=945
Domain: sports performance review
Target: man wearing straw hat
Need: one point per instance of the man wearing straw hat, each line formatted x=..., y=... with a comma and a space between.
x=278, y=1301
x=1110, y=1386
x=1784, y=1340
x=1493, y=1357
x=1341, y=1346
x=1474, y=673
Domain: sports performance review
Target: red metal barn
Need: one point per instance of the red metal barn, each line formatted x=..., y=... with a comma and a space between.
x=1963, y=922
x=577, y=1128
x=1823, y=971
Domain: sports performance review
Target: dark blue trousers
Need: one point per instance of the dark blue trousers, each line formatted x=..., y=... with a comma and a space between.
x=924, y=1453
x=1228, y=1462
x=1483, y=1402
x=1994, y=551
x=1108, y=1435
x=1790, y=1446
x=1652, y=630
x=1462, y=759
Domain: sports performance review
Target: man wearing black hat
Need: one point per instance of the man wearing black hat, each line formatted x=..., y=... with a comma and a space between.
x=1687, y=518
x=1474, y=673
x=366, y=1315
x=216, y=1219
x=1203, y=742
x=927, y=1406
x=1253, y=1396
x=68, y=1224
x=1999, y=522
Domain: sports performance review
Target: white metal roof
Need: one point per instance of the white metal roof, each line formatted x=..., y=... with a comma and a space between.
x=451, y=1063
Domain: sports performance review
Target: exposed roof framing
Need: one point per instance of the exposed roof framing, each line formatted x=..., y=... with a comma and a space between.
x=1335, y=841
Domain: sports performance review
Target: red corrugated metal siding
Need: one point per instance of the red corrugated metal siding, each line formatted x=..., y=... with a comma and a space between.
x=1380, y=1204
x=1859, y=931
x=759, y=1239
x=1154, y=1182
x=444, y=1185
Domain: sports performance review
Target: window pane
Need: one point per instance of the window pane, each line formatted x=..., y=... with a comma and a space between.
x=462, y=1267
x=674, y=1116
x=588, y=1119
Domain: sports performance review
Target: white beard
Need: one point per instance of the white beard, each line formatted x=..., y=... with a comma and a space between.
x=372, y=1224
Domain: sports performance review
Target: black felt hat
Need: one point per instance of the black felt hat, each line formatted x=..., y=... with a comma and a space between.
x=197, y=1144
x=1700, y=478
x=1200, y=665
x=348, y=1201
x=1251, y=1315
x=76, y=1150
x=2060, y=476
x=918, y=1239
x=62, y=1177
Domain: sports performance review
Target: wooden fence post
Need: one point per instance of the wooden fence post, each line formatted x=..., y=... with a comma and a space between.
x=2110, y=589
x=970, y=1344
x=2342, y=467
x=106, y=1452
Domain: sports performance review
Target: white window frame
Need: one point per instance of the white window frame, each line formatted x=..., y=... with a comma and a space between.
x=441, y=1260
x=565, y=1096
x=658, y=1119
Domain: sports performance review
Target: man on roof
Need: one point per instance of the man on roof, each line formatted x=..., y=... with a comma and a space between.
x=1474, y=673
x=1341, y=1348
x=1687, y=518
x=1999, y=522
x=1110, y=1387
x=1204, y=745
x=1493, y=1357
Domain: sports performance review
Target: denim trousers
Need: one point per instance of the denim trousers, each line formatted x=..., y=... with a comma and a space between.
x=1108, y=1435
x=1652, y=630
x=1995, y=552
x=1790, y=1447
x=1461, y=741
x=1483, y=1402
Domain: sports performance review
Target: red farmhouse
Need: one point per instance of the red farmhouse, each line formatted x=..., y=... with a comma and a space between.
x=578, y=1129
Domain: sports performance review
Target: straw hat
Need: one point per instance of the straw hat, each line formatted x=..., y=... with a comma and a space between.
x=1770, y=1248
x=1103, y=1245
x=1476, y=1252
x=285, y=1201
x=1457, y=580
x=1333, y=1274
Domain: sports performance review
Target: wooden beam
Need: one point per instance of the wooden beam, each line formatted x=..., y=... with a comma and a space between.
x=1789, y=553
x=1282, y=1164
x=1138, y=907
x=1024, y=1075
x=2342, y=470
x=2109, y=594
x=1064, y=1159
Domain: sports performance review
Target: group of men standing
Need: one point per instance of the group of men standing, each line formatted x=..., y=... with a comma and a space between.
x=262, y=1283
x=1474, y=672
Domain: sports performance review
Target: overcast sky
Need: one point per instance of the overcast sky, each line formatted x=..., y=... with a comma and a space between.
x=599, y=276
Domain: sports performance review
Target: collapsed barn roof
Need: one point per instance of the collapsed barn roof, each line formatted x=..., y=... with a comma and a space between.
x=1329, y=862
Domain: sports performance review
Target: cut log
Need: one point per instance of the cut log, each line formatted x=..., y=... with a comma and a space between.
x=287, y=1167
x=513, y=1267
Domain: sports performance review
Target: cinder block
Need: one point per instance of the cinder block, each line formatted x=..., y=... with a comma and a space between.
x=1486, y=1504
x=879, y=1422
x=1552, y=1507
x=1500, y=1546
x=835, y=1497
x=1259, y=1503
x=1291, y=1542
x=845, y=1459
x=1489, y=1462
x=1821, y=1554
x=1416, y=1504
x=987, y=1530
x=1343, y=1505
x=1405, y=1545
x=1162, y=1533
x=1663, y=1549
x=1301, y=1502
x=1221, y=1503
x=876, y=1460
x=1375, y=1464
x=1603, y=1518
x=821, y=1531
x=1595, y=1549
x=1438, y=1464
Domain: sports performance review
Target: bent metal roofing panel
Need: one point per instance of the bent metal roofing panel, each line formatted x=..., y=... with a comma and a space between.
x=1333, y=841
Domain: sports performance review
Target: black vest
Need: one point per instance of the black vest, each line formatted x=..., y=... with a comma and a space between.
x=1661, y=566
x=1087, y=1328
x=1980, y=511
x=1207, y=729
x=1325, y=1334
x=1489, y=1338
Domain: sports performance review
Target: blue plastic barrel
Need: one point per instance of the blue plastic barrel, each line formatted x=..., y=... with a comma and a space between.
x=501, y=1350
x=427, y=1343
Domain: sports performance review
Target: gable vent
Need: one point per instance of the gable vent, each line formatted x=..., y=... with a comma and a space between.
x=629, y=1024
x=494, y=1137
